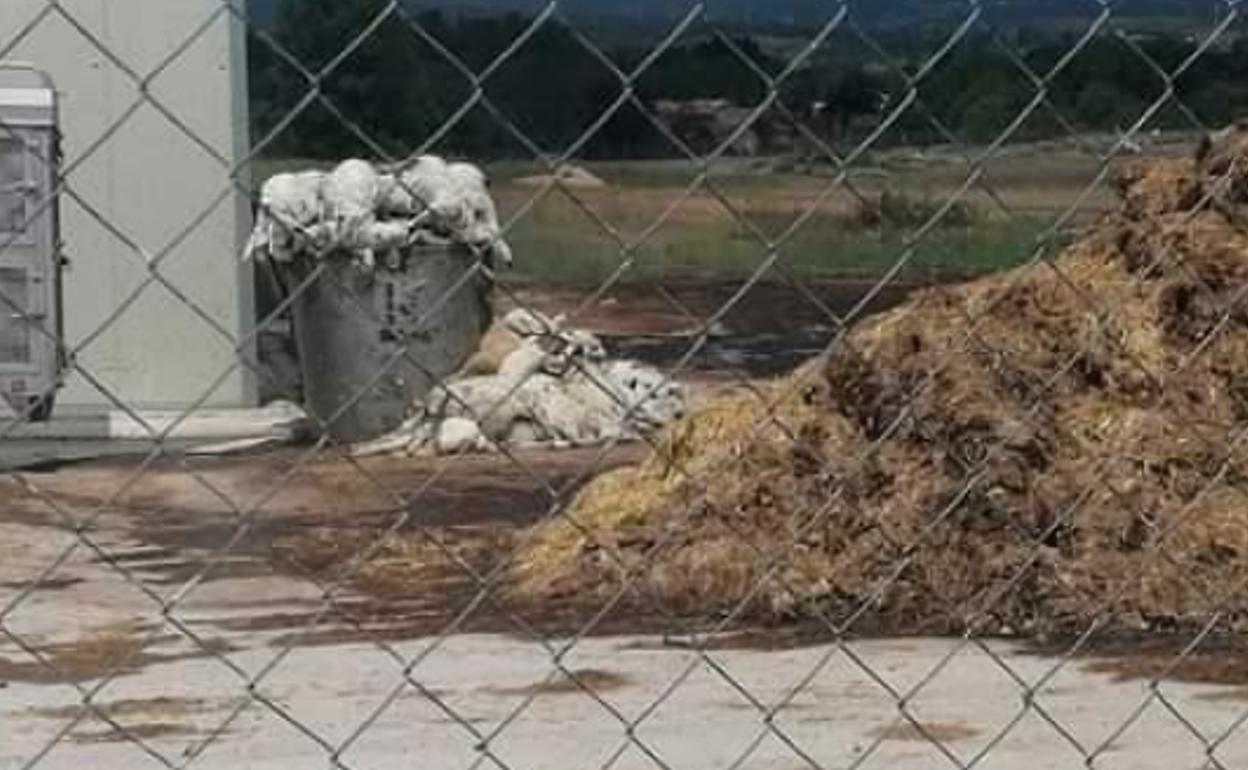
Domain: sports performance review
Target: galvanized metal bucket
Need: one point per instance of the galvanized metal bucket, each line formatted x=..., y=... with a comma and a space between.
x=372, y=342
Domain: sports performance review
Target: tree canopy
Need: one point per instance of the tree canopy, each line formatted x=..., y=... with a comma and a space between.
x=399, y=85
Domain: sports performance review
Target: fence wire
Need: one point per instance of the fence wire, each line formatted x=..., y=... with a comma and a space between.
x=633, y=735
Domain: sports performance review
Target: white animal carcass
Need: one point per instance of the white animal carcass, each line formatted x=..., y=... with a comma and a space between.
x=524, y=340
x=290, y=219
x=360, y=210
x=591, y=404
x=353, y=196
x=457, y=200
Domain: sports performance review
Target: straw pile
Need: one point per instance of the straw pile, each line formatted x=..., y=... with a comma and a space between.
x=1022, y=454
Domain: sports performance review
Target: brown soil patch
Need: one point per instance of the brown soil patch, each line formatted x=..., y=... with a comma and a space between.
x=678, y=305
x=85, y=659
x=1237, y=695
x=1207, y=668
x=50, y=584
x=581, y=680
x=790, y=707
x=1025, y=453
x=1220, y=659
x=142, y=731
x=140, y=708
x=940, y=731
x=402, y=566
x=113, y=650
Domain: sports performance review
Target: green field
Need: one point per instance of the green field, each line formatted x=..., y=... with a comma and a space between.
x=572, y=252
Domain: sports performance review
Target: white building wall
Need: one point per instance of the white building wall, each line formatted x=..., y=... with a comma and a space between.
x=151, y=182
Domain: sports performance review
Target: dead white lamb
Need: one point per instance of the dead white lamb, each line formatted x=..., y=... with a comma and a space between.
x=619, y=400
x=597, y=403
x=446, y=422
x=352, y=195
x=555, y=352
x=551, y=388
x=462, y=417
x=652, y=399
x=456, y=199
x=545, y=339
x=358, y=209
x=290, y=218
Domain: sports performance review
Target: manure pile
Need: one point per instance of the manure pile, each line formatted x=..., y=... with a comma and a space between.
x=1021, y=454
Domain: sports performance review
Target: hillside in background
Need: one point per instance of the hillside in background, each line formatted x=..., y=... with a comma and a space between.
x=399, y=88
x=807, y=13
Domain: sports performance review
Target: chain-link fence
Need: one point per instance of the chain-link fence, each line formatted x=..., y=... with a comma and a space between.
x=959, y=345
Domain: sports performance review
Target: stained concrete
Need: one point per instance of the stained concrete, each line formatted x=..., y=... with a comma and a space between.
x=473, y=697
x=271, y=681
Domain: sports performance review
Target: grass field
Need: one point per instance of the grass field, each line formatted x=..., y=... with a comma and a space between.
x=720, y=228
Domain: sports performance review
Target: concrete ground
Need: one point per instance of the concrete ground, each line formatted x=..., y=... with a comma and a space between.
x=270, y=681
x=17, y=454
x=77, y=435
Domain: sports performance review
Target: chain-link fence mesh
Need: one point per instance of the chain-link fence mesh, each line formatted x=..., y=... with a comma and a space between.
x=1047, y=451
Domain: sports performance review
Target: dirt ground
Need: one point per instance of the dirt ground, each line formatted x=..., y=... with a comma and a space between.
x=768, y=331
x=312, y=514
x=249, y=548
x=171, y=526
x=317, y=507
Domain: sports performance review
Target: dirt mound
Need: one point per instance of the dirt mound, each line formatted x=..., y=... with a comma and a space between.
x=1025, y=453
x=571, y=176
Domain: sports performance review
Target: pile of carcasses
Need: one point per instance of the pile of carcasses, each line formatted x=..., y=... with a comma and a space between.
x=367, y=213
x=535, y=384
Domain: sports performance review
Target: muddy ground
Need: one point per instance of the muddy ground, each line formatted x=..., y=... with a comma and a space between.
x=305, y=514
x=768, y=331
x=317, y=507
x=190, y=576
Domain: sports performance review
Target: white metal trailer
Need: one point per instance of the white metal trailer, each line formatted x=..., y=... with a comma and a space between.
x=30, y=254
x=154, y=200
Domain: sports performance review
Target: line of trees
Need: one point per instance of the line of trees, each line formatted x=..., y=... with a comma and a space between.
x=398, y=88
